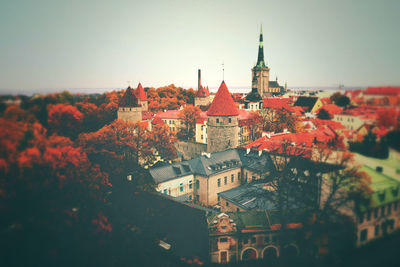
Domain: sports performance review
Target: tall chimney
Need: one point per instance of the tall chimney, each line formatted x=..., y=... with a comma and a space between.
x=199, y=80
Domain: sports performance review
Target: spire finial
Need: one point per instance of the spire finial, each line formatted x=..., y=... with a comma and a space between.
x=261, y=29
x=223, y=71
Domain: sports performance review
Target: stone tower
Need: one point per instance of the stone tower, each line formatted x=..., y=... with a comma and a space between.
x=142, y=97
x=222, y=122
x=260, y=72
x=129, y=108
x=202, y=97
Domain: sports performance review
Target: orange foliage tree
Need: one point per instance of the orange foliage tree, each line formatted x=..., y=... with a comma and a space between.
x=188, y=116
x=65, y=120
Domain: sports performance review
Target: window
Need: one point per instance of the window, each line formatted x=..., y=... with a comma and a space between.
x=227, y=203
x=219, y=198
x=253, y=178
x=181, y=187
x=383, y=211
x=245, y=241
x=237, y=209
x=173, y=122
x=376, y=213
x=190, y=184
x=232, y=178
x=369, y=215
x=190, y=197
x=165, y=191
x=202, y=137
x=225, y=180
x=363, y=235
x=230, y=120
x=197, y=184
x=238, y=176
x=217, y=120
x=219, y=182
x=377, y=230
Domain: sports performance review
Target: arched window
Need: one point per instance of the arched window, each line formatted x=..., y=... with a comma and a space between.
x=270, y=253
x=249, y=254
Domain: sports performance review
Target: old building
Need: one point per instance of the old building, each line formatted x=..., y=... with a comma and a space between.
x=129, y=108
x=253, y=100
x=260, y=72
x=202, y=97
x=142, y=97
x=243, y=236
x=222, y=122
x=309, y=103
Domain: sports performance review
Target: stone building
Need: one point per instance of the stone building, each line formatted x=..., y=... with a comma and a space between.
x=260, y=72
x=253, y=100
x=222, y=122
x=129, y=108
x=202, y=97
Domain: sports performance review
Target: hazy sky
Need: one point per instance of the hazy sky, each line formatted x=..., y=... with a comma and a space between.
x=103, y=44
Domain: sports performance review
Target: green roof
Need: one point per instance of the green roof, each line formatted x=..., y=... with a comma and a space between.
x=385, y=189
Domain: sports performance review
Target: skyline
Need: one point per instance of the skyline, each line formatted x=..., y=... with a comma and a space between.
x=51, y=45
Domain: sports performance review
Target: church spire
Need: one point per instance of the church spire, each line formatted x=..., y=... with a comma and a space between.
x=260, y=60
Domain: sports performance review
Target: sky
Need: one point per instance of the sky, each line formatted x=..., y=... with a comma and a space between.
x=54, y=45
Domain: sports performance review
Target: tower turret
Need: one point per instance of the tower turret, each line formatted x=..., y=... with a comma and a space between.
x=222, y=122
x=142, y=97
x=202, y=97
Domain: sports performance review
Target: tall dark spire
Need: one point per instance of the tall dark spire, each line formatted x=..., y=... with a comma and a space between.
x=260, y=59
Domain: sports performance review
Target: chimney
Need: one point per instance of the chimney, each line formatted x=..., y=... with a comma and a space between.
x=199, y=80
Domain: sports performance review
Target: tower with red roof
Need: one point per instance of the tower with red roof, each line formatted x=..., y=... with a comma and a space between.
x=260, y=72
x=222, y=122
x=129, y=108
x=202, y=97
x=142, y=97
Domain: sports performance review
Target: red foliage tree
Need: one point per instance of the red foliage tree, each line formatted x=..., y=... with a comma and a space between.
x=188, y=115
x=65, y=120
x=162, y=139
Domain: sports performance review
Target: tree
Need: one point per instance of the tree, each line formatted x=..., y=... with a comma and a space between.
x=340, y=100
x=313, y=187
x=188, y=116
x=324, y=115
x=388, y=118
x=255, y=125
x=65, y=120
x=162, y=139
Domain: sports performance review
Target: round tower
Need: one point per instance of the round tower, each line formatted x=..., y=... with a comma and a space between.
x=222, y=122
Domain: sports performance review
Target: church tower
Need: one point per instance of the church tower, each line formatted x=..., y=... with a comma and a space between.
x=222, y=122
x=253, y=100
x=129, y=108
x=142, y=97
x=260, y=72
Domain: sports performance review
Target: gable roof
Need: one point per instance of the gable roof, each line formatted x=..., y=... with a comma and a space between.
x=170, y=172
x=129, y=99
x=306, y=101
x=140, y=93
x=223, y=104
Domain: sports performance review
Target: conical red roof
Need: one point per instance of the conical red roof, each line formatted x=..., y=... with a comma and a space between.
x=140, y=93
x=128, y=99
x=202, y=92
x=223, y=104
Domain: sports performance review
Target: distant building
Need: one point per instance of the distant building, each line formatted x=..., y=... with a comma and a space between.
x=308, y=103
x=260, y=75
x=202, y=97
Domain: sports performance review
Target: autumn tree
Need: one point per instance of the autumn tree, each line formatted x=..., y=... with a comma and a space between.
x=324, y=115
x=255, y=125
x=340, y=100
x=65, y=120
x=388, y=118
x=162, y=139
x=188, y=116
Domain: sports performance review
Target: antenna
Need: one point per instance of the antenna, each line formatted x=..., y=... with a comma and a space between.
x=223, y=71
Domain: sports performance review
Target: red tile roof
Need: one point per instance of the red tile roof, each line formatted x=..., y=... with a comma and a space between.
x=276, y=103
x=384, y=90
x=129, y=99
x=223, y=104
x=169, y=114
x=202, y=92
x=331, y=109
x=140, y=93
